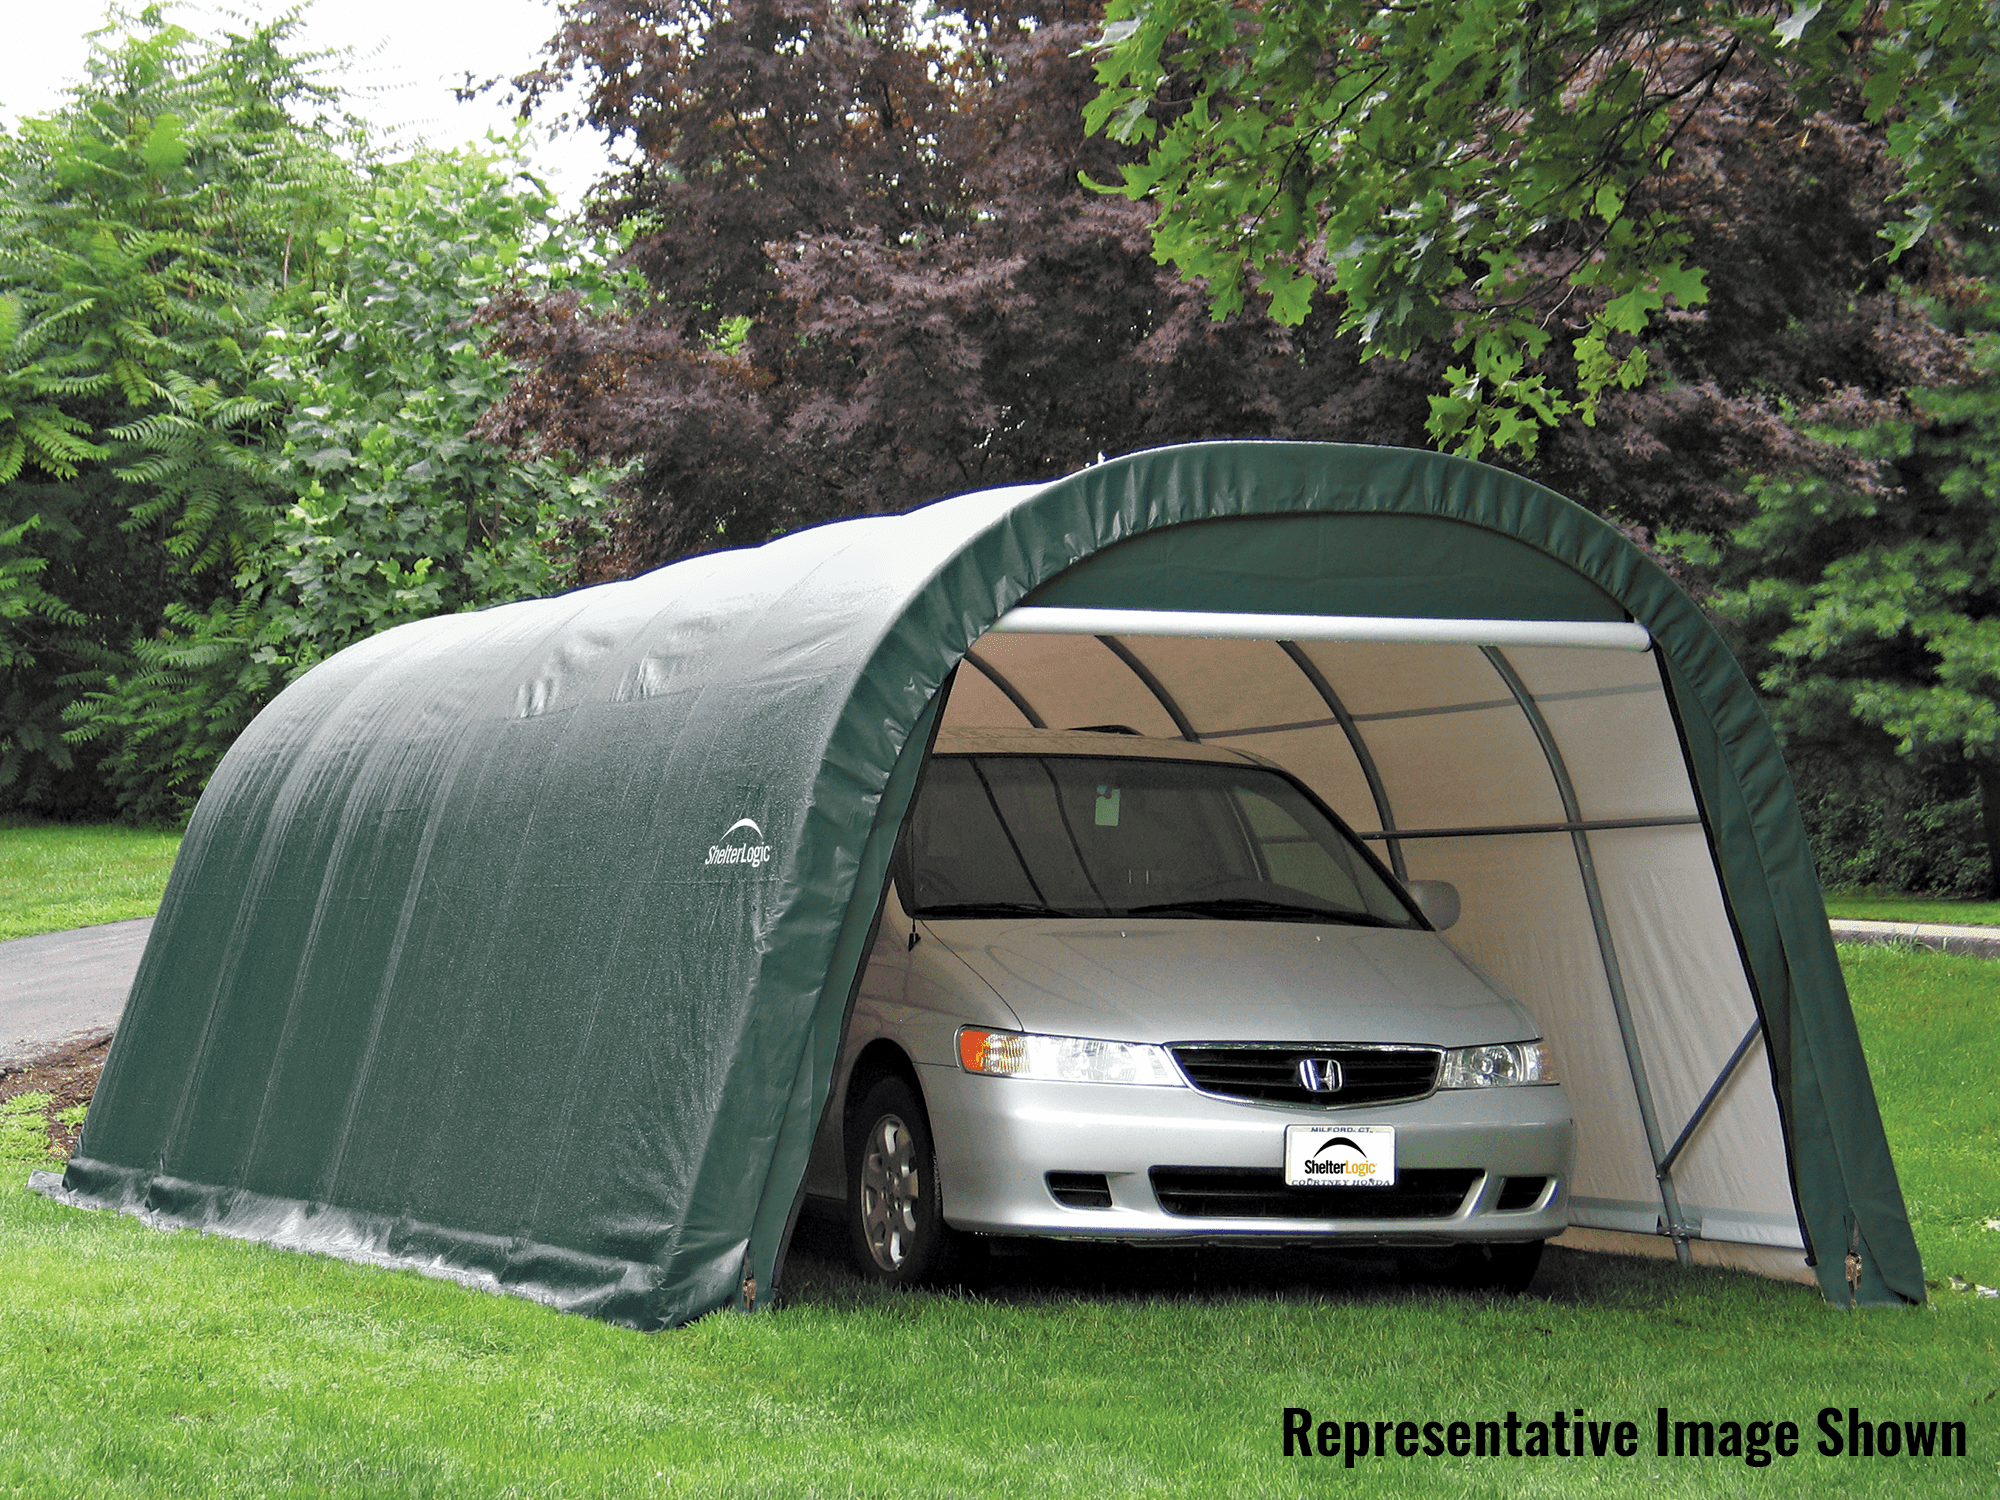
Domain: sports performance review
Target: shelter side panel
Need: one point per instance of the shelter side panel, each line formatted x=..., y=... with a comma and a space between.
x=1692, y=1006
x=1526, y=922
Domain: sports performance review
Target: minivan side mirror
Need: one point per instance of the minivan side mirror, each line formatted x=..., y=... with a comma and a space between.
x=1436, y=899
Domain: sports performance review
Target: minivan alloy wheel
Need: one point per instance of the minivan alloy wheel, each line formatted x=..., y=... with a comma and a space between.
x=895, y=1212
x=891, y=1184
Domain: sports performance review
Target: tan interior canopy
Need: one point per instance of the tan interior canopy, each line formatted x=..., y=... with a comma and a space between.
x=1546, y=781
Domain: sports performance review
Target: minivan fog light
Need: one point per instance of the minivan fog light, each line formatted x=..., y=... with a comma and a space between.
x=1064, y=1059
x=1497, y=1065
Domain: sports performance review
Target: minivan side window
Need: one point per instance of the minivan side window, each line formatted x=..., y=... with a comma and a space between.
x=956, y=852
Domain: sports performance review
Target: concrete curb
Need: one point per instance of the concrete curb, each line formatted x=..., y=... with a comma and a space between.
x=1981, y=942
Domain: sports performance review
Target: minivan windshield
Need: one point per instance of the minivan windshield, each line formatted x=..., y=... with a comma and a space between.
x=1097, y=836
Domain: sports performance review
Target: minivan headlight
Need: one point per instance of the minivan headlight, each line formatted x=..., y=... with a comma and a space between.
x=1497, y=1065
x=1064, y=1059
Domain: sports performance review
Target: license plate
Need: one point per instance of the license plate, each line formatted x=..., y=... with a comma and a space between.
x=1350, y=1156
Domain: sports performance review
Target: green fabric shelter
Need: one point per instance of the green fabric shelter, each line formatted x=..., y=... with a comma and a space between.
x=516, y=946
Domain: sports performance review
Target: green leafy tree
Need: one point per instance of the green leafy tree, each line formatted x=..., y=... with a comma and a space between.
x=147, y=230
x=1485, y=174
x=1873, y=614
x=237, y=373
x=27, y=611
x=393, y=511
x=152, y=228
x=401, y=511
x=35, y=429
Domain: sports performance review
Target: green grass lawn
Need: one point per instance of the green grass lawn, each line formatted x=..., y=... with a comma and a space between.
x=1897, y=908
x=58, y=875
x=1931, y=1027
x=134, y=1362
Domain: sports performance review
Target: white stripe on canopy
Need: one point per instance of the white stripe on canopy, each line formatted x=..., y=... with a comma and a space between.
x=1609, y=635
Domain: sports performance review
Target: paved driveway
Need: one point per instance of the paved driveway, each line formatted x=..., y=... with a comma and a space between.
x=61, y=986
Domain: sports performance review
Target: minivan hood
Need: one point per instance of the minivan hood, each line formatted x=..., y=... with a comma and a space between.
x=1164, y=980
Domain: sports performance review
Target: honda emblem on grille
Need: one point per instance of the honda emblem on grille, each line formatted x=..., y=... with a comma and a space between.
x=1320, y=1075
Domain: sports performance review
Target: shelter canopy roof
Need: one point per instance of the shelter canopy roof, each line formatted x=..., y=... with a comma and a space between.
x=448, y=975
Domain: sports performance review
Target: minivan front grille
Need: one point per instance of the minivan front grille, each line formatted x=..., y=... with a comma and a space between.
x=1367, y=1075
x=1261, y=1193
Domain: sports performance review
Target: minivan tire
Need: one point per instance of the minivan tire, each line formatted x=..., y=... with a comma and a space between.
x=895, y=1213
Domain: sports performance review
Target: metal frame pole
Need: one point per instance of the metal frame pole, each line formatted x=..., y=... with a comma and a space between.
x=1012, y=693
x=1614, y=976
x=1714, y=1093
x=1360, y=748
x=1153, y=685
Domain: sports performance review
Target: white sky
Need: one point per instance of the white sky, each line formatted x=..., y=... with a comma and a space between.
x=408, y=55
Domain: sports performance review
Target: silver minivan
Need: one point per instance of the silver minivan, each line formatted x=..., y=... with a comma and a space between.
x=1140, y=990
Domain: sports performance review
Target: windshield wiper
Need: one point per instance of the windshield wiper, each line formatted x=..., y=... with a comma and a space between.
x=1256, y=906
x=992, y=909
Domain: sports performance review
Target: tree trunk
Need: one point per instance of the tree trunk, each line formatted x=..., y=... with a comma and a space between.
x=1988, y=773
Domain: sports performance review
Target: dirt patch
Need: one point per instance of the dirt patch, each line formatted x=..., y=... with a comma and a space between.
x=68, y=1076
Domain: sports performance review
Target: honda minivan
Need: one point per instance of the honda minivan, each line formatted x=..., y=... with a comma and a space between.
x=1150, y=991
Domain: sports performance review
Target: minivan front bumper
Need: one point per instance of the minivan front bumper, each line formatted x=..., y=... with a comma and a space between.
x=997, y=1139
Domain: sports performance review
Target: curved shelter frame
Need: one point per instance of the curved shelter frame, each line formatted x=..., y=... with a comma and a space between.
x=517, y=946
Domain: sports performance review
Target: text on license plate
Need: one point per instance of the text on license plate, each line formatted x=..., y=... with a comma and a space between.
x=1340, y=1155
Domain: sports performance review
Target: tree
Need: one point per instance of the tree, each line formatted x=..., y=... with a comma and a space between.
x=241, y=381
x=1671, y=247
x=388, y=508
x=869, y=274
x=1489, y=174
x=145, y=231
x=1878, y=610
x=1807, y=327
x=848, y=308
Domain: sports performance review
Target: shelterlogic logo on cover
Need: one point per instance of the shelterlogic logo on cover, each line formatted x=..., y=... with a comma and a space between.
x=722, y=852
